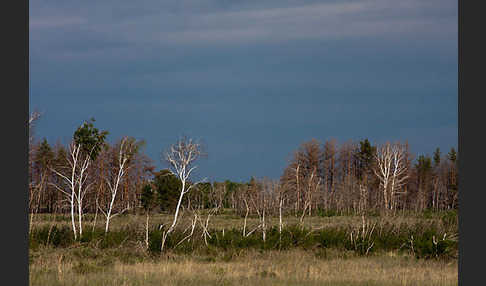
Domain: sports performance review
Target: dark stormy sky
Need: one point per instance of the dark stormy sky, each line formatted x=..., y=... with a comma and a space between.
x=252, y=79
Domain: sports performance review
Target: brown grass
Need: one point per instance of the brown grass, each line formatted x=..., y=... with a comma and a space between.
x=131, y=265
x=226, y=221
x=297, y=267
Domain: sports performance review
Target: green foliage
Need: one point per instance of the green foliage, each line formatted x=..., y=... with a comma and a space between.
x=430, y=245
x=168, y=188
x=428, y=213
x=452, y=156
x=336, y=238
x=437, y=157
x=436, y=238
x=424, y=165
x=63, y=237
x=155, y=241
x=450, y=219
x=364, y=157
x=114, y=239
x=204, y=191
x=327, y=212
x=44, y=155
x=90, y=138
x=148, y=198
x=55, y=236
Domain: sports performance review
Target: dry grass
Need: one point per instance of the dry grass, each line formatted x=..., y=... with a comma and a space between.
x=295, y=267
x=227, y=221
x=131, y=265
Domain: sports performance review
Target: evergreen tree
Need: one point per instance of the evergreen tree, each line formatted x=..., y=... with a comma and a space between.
x=364, y=158
x=90, y=138
x=436, y=157
x=148, y=198
x=452, y=156
x=424, y=165
x=44, y=155
x=168, y=188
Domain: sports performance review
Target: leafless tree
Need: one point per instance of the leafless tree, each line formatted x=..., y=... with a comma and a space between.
x=391, y=170
x=33, y=117
x=192, y=227
x=281, y=197
x=307, y=162
x=329, y=169
x=75, y=180
x=363, y=198
x=126, y=150
x=181, y=157
x=205, y=225
x=38, y=190
x=312, y=186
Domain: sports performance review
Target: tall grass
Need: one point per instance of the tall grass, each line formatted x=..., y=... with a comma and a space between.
x=326, y=250
x=424, y=239
x=250, y=267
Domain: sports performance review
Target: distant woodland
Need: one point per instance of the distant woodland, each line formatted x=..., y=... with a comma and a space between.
x=92, y=176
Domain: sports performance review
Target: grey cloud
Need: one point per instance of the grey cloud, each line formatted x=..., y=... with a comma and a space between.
x=281, y=71
x=178, y=24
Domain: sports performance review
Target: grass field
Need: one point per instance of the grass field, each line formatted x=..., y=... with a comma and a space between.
x=126, y=261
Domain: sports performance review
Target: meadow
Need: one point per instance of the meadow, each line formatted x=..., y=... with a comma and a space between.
x=400, y=249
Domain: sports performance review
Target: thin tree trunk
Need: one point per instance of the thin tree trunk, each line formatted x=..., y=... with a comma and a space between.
x=108, y=214
x=246, y=216
x=280, y=216
x=147, y=231
x=263, y=225
x=96, y=216
x=72, y=217
x=171, y=228
x=80, y=213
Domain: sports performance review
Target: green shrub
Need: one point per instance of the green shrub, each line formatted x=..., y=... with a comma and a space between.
x=450, y=219
x=56, y=236
x=326, y=213
x=386, y=236
x=332, y=237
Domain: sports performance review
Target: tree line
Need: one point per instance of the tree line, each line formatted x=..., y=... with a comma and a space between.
x=92, y=176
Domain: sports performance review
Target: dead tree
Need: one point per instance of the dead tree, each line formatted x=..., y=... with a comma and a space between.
x=313, y=183
x=181, y=157
x=363, y=198
x=33, y=117
x=114, y=183
x=281, y=198
x=75, y=182
x=34, y=209
x=246, y=215
x=391, y=170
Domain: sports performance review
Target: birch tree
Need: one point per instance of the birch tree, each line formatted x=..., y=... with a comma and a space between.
x=126, y=150
x=75, y=180
x=391, y=169
x=148, y=200
x=84, y=148
x=181, y=157
x=312, y=187
x=33, y=117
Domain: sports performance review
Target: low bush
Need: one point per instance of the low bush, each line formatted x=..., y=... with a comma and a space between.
x=424, y=239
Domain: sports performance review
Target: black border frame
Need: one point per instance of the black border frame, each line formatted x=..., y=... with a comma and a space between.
x=16, y=103
x=15, y=85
